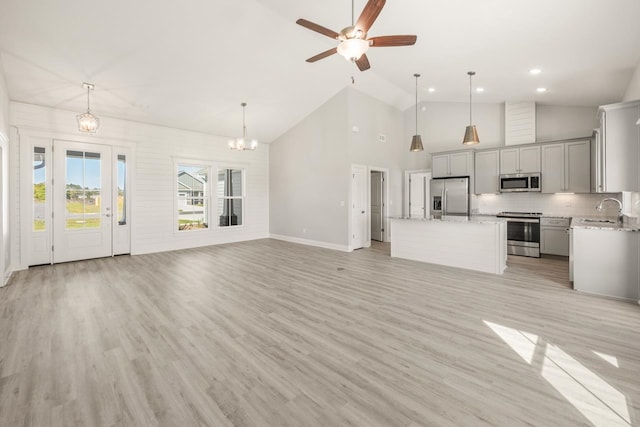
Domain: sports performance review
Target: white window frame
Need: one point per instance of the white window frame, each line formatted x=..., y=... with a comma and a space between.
x=208, y=195
x=243, y=198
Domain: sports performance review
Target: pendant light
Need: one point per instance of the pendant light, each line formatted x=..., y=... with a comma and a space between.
x=416, y=141
x=87, y=122
x=470, y=134
x=243, y=143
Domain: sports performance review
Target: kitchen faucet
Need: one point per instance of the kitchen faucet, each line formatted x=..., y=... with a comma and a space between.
x=599, y=207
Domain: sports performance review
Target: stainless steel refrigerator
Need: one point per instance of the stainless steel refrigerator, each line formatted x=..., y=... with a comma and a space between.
x=450, y=196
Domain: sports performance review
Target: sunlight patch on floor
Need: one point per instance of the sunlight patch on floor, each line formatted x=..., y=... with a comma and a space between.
x=612, y=360
x=597, y=400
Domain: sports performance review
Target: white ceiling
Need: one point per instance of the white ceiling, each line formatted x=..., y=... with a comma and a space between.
x=190, y=64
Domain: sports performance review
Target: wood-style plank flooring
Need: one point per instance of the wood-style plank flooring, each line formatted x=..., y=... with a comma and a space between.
x=269, y=333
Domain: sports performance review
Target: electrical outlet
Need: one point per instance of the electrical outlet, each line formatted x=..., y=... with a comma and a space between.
x=382, y=138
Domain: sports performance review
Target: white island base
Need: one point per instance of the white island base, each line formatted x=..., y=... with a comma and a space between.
x=475, y=244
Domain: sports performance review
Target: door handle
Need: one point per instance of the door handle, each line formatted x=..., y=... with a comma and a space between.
x=361, y=211
x=107, y=215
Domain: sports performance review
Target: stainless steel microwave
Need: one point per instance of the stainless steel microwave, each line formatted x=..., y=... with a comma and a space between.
x=519, y=182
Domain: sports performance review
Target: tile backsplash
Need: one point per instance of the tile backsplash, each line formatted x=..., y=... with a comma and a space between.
x=572, y=205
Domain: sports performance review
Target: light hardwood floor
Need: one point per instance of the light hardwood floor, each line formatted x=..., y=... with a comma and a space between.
x=269, y=333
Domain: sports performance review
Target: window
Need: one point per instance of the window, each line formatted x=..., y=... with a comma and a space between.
x=230, y=194
x=121, y=208
x=39, y=189
x=83, y=188
x=193, y=197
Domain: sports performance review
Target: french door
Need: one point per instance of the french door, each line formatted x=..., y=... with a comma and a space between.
x=82, y=207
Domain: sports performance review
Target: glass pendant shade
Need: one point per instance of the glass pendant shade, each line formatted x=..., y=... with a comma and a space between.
x=243, y=143
x=353, y=49
x=87, y=122
x=471, y=136
x=416, y=143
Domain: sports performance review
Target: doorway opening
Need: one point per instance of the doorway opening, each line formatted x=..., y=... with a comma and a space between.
x=377, y=205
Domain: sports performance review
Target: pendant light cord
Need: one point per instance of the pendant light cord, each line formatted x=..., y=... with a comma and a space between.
x=244, y=127
x=471, y=73
x=417, y=75
x=470, y=103
x=88, y=107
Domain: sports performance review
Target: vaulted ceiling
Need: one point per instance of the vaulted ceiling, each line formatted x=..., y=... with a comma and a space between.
x=190, y=64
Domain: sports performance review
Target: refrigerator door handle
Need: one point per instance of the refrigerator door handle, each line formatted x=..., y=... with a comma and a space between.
x=444, y=201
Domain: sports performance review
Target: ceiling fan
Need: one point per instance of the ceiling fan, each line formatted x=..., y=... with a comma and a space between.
x=353, y=39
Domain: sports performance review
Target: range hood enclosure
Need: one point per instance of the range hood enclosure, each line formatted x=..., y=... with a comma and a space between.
x=520, y=122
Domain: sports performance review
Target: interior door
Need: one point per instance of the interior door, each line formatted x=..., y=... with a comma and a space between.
x=358, y=205
x=377, y=206
x=419, y=195
x=82, y=201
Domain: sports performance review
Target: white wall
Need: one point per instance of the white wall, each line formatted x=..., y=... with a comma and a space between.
x=442, y=125
x=310, y=166
x=5, y=234
x=633, y=90
x=309, y=171
x=554, y=122
x=155, y=150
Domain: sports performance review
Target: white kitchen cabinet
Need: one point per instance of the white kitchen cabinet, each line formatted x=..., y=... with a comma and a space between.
x=554, y=236
x=618, y=148
x=566, y=167
x=520, y=160
x=452, y=164
x=605, y=262
x=487, y=171
x=440, y=165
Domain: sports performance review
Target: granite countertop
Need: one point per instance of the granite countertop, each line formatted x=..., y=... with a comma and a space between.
x=473, y=219
x=595, y=224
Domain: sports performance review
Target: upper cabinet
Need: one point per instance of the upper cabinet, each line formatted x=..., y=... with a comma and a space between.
x=617, y=148
x=459, y=163
x=520, y=160
x=566, y=167
x=487, y=172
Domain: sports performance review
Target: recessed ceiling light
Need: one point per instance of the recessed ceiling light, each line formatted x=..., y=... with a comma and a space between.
x=535, y=71
x=480, y=89
x=541, y=90
x=431, y=89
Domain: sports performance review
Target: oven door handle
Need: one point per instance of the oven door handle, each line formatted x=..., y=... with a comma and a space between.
x=529, y=220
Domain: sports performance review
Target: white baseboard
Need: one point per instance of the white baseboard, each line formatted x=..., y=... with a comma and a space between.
x=6, y=279
x=308, y=242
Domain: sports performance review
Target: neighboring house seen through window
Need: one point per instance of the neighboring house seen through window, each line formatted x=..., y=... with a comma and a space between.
x=193, y=197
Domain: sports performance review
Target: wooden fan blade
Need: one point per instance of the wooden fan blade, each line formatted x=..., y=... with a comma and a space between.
x=317, y=28
x=369, y=14
x=323, y=55
x=388, y=41
x=363, y=63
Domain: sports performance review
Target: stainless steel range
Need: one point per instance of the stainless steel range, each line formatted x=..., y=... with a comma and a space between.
x=523, y=233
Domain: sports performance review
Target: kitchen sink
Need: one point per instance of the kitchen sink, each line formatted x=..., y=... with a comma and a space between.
x=599, y=221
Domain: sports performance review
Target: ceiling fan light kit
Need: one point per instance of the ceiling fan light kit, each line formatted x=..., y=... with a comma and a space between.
x=470, y=133
x=87, y=122
x=243, y=143
x=353, y=41
x=353, y=49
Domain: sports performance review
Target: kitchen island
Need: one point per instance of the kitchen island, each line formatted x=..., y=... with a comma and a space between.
x=475, y=243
